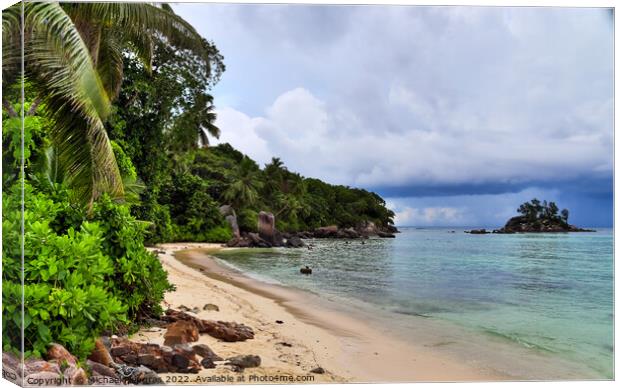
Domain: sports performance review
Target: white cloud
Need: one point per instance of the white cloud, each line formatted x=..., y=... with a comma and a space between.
x=379, y=96
x=429, y=216
x=239, y=130
x=306, y=133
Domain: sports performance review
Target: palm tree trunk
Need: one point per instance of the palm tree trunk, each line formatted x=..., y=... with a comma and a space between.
x=9, y=108
x=34, y=106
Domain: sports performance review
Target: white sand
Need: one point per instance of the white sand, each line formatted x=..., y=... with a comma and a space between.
x=349, y=350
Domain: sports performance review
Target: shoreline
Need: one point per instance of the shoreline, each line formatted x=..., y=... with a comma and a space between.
x=347, y=348
x=351, y=345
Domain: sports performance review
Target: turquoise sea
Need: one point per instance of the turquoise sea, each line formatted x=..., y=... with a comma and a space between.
x=549, y=293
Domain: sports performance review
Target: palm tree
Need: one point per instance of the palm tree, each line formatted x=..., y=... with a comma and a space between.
x=291, y=198
x=243, y=191
x=193, y=127
x=274, y=174
x=207, y=124
x=109, y=28
x=73, y=57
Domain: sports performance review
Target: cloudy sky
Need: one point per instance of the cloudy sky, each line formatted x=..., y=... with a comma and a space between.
x=455, y=115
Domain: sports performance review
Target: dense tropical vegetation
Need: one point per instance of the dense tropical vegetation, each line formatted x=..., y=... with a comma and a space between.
x=535, y=210
x=116, y=155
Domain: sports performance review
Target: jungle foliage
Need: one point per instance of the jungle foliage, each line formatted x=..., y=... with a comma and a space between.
x=85, y=272
x=298, y=203
x=116, y=127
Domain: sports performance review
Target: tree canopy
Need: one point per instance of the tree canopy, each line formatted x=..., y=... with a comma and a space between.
x=73, y=58
x=537, y=210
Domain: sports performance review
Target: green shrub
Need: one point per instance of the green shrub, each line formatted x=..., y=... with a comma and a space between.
x=248, y=220
x=140, y=281
x=157, y=215
x=68, y=295
x=82, y=276
x=34, y=140
x=160, y=229
x=125, y=165
x=193, y=212
x=218, y=234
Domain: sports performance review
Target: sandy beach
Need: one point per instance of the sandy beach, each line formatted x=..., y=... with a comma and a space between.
x=309, y=336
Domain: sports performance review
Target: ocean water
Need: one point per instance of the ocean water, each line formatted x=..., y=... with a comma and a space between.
x=551, y=293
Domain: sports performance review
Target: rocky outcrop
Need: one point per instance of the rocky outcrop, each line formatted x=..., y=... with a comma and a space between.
x=294, y=242
x=101, y=353
x=205, y=351
x=32, y=366
x=523, y=224
x=268, y=236
x=367, y=228
x=362, y=230
x=303, y=234
x=391, y=229
x=129, y=363
x=181, y=332
x=76, y=375
x=253, y=240
x=238, y=242
x=226, y=331
x=248, y=240
x=59, y=368
x=179, y=358
x=58, y=353
x=477, y=231
x=326, y=232
x=239, y=363
x=98, y=369
x=231, y=218
x=267, y=229
x=266, y=225
x=257, y=241
x=349, y=233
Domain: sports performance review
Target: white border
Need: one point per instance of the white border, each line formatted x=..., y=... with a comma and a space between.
x=522, y=3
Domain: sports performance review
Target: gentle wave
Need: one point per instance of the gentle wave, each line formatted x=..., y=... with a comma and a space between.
x=516, y=338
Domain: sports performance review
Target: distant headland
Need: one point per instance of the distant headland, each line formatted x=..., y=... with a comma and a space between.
x=536, y=217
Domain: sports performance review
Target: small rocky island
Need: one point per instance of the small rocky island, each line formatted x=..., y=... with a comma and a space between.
x=536, y=217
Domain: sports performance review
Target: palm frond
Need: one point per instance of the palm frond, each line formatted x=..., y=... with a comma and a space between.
x=56, y=49
x=133, y=189
x=11, y=44
x=203, y=139
x=211, y=129
x=142, y=45
x=110, y=61
x=59, y=64
x=140, y=18
x=50, y=168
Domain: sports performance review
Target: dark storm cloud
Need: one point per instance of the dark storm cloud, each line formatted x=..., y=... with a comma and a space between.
x=420, y=101
x=586, y=186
